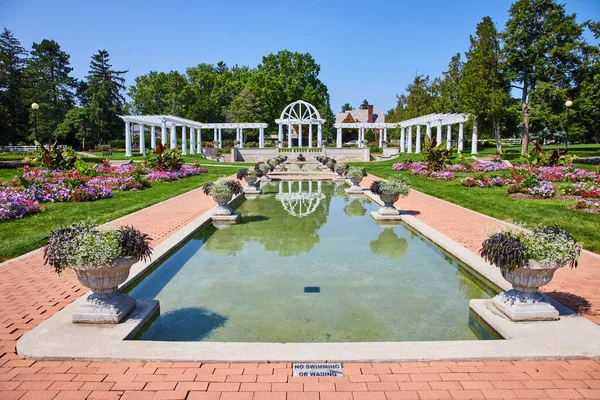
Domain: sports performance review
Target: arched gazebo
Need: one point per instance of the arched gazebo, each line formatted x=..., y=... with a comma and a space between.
x=300, y=113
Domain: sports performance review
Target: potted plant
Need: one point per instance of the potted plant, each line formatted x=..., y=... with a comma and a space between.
x=300, y=158
x=101, y=258
x=222, y=190
x=331, y=164
x=356, y=174
x=250, y=176
x=528, y=260
x=389, y=191
x=340, y=170
x=264, y=169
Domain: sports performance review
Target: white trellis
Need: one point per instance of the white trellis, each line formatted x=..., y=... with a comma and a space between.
x=169, y=123
x=438, y=121
x=362, y=127
x=300, y=113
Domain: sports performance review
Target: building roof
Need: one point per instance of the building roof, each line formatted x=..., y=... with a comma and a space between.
x=360, y=115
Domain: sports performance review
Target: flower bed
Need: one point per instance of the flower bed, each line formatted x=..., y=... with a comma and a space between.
x=35, y=186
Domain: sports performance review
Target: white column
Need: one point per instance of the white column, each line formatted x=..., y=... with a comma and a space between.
x=385, y=134
x=319, y=136
x=299, y=135
x=438, y=137
x=183, y=140
x=215, y=136
x=128, y=139
x=381, y=138
x=361, y=137
x=142, y=140
x=418, y=145
x=474, y=139
x=280, y=137
x=461, y=127
x=338, y=139
x=409, y=144
x=199, y=142
x=173, y=140
x=402, y=140
x=289, y=135
x=261, y=138
x=310, y=136
x=241, y=137
x=163, y=133
x=428, y=131
x=192, y=140
x=449, y=137
x=220, y=138
x=319, y=186
x=153, y=137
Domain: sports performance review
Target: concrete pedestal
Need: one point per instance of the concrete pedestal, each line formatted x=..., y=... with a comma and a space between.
x=524, y=306
x=104, y=310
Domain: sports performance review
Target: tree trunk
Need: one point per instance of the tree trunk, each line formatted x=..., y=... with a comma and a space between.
x=525, y=108
x=496, y=124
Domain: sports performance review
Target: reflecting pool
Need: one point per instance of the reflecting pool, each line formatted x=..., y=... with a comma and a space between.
x=308, y=264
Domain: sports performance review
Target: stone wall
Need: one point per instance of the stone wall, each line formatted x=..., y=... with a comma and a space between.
x=339, y=154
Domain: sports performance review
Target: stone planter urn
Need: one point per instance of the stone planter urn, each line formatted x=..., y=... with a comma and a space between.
x=222, y=205
x=356, y=188
x=106, y=305
x=388, y=204
x=340, y=173
x=251, y=181
x=524, y=302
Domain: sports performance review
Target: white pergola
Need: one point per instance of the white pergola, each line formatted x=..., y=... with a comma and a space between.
x=239, y=132
x=170, y=122
x=300, y=113
x=362, y=127
x=438, y=120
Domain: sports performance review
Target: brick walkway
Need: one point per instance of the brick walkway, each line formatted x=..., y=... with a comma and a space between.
x=30, y=293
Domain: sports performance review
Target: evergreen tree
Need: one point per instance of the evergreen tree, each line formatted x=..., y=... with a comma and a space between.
x=484, y=89
x=103, y=97
x=449, y=87
x=13, y=107
x=541, y=43
x=364, y=105
x=346, y=107
x=50, y=85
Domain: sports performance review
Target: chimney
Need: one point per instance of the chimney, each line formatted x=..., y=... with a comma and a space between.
x=370, y=117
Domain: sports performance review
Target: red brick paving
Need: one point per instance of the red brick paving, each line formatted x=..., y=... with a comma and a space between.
x=30, y=293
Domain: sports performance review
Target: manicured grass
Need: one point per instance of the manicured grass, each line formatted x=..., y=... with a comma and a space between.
x=189, y=159
x=495, y=203
x=20, y=236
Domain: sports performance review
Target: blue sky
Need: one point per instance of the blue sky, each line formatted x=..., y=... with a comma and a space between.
x=366, y=49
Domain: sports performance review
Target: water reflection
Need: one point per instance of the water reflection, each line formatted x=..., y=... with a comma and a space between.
x=355, y=209
x=388, y=244
x=302, y=201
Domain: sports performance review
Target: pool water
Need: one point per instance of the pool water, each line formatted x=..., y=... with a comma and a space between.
x=308, y=264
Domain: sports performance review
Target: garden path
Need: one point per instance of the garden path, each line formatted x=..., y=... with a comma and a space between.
x=30, y=293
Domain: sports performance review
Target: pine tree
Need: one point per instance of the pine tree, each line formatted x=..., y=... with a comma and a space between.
x=49, y=85
x=346, y=107
x=103, y=97
x=13, y=107
x=364, y=105
x=484, y=89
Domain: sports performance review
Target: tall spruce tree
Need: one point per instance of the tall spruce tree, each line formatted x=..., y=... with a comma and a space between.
x=541, y=43
x=50, y=85
x=104, y=97
x=484, y=89
x=13, y=107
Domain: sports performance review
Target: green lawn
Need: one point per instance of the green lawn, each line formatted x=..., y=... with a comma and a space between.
x=495, y=203
x=20, y=236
